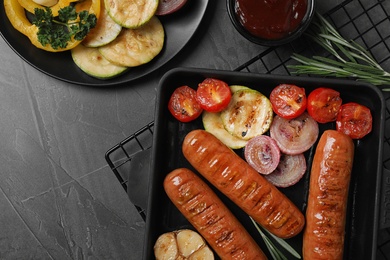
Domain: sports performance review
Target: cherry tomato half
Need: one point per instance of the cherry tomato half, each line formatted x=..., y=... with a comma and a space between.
x=183, y=105
x=354, y=120
x=323, y=104
x=213, y=95
x=288, y=101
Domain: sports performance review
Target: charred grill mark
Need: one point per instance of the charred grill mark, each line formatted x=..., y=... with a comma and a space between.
x=279, y=218
x=291, y=225
x=299, y=99
x=263, y=203
x=250, y=189
x=210, y=216
x=225, y=237
x=185, y=193
x=216, y=224
x=250, y=121
x=236, y=111
x=196, y=205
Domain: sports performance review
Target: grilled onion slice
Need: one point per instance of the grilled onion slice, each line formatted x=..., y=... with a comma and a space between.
x=262, y=153
x=294, y=136
x=290, y=170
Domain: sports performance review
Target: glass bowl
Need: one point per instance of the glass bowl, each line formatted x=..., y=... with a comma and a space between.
x=273, y=40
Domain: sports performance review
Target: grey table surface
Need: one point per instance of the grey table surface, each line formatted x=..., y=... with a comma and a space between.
x=58, y=197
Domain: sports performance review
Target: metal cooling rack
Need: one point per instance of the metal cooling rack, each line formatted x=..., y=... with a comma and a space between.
x=366, y=23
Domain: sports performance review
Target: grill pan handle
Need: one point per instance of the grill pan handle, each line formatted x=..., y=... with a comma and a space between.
x=384, y=218
x=138, y=181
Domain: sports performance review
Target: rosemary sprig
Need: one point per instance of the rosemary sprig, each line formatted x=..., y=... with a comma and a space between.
x=350, y=60
x=274, y=251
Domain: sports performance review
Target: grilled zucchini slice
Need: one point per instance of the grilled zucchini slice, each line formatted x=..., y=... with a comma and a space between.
x=105, y=31
x=212, y=123
x=131, y=13
x=234, y=88
x=248, y=114
x=134, y=47
x=94, y=64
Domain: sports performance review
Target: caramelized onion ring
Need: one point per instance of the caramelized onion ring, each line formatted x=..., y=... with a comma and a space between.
x=290, y=170
x=262, y=153
x=296, y=135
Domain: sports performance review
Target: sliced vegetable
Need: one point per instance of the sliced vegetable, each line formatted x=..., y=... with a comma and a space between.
x=296, y=135
x=182, y=244
x=134, y=47
x=234, y=88
x=183, y=105
x=262, y=153
x=290, y=170
x=90, y=61
x=354, y=120
x=288, y=101
x=105, y=31
x=17, y=16
x=213, y=95
x=131, y=13
x=323, y=104
x=248, y=114
x=57, y=32
x=212, y=123
x=169, y=6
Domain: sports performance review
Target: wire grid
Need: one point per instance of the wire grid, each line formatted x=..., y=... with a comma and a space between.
x=366, y=23
x=119, y=156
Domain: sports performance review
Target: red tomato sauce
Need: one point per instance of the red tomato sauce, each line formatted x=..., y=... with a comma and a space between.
x=270, y=19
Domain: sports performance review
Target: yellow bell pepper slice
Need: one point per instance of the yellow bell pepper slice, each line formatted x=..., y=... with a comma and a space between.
x=17, y=16
x=30, y=5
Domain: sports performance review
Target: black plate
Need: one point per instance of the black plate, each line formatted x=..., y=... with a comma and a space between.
x=362, y=218
x=179, y=29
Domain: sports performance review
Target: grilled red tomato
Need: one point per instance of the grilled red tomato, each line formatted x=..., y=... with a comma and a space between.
x=323, y=104
x=288, y=101
x=183, y=105
x=213, y=95
x=354, y=120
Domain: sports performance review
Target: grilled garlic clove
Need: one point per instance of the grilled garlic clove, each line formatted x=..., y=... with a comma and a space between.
x=188, y=242
x=166, y=247
x=202, y=254
x=182, y=244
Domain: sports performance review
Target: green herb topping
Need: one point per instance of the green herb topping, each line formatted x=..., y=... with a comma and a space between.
x=348, y=58
x=59, y=31
x=275, y=252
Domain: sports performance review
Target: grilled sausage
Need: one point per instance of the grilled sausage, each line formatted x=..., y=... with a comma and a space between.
x=227, y=171
x=323, y=237
x=212, y=219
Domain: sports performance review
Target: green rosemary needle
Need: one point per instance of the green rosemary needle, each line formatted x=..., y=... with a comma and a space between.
x=274, y=251
x=349, y=59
